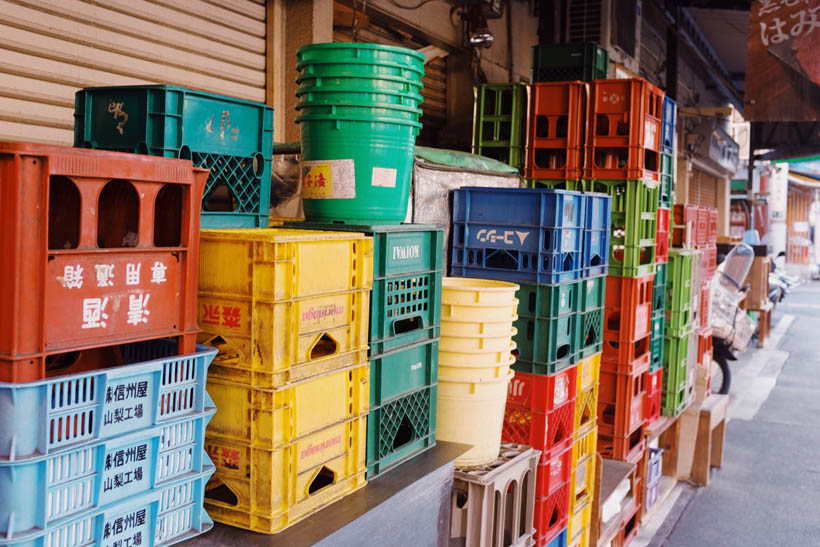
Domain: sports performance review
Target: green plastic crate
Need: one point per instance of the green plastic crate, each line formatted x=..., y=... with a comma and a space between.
x=545, y=346
x=673, y=403
x=405, y=303
x=593, y=295
x=583, y=61
x=679, y=280
x=656, y=353
x=666, y=191
x=230, y=137
x=678, y=323
x=400, y=429
x=549, y=301
x=675, y=360
x=567, y=184
x=591, y=335
x=399, y=372
x=499, y=125
x=633, y=224
x=659, y=288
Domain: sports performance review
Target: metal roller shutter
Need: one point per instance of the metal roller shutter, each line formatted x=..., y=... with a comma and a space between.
x=702, y=189
x=51, y=48
x=434, y=107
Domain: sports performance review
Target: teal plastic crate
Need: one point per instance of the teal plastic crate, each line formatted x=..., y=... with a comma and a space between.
x=679, y=280
x=591, y=336
x=583, y=61
x=547, y=345
x=659, y=288
x=593, y=294
x=499, y=131
x=666, y=192
x=548, y=301
x=633, y=224
x=400, y=429
x=405, y=302
x=231, y=137
x=403, y=371
x=656, y=353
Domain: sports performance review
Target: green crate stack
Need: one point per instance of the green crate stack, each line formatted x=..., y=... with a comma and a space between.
x=667, y=185
x=548, y=325
x=499, y=125
x=634, y=225
x=679, y=329
x=405, y=326
x=583, y=61
x=658, y=325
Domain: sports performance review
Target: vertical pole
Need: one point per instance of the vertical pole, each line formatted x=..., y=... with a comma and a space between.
x=750, y=173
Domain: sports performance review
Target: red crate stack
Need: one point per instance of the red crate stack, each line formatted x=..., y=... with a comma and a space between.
x=621, y=408
x=711, y=237
x=540, y=412
x=708, y=262
x=623, y=130
x=555, y=148
x=662, y=239
x=684, y=225
x=100, y=249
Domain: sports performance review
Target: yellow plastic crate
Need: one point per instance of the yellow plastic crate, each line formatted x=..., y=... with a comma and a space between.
x=273, y=343
x=582, y=482
x=273, y=419
x=586, y=410
x=589, y=373
x=268, y=490
x=578, y=526
x=275, y=264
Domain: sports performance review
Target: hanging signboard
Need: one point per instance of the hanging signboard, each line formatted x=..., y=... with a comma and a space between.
x=782, y=64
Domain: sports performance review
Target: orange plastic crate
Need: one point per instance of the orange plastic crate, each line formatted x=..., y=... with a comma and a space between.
x=555, y=150
x=628, y=308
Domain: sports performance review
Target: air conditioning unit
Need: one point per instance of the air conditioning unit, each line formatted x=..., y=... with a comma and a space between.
x=614, y=24
x=711, y=143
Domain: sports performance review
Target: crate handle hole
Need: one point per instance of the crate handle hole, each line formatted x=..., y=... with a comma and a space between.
x=324, y=346
x=62, y=360
x=608, y=415
x=64, y=211
x=168, y=216
x=563, y=351
x=228, y=353
x=613, y=322
x=407, y=324
x=324, y=478
x=405, y=434
x=118, y=211
x=501, y=259
x=222, y=494
x=460, y=498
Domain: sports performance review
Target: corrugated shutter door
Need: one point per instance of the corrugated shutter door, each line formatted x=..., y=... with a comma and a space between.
x=434, y=107
x=51, y=48
x=702, y=189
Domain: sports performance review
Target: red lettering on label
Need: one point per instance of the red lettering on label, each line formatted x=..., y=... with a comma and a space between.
x=210, y=314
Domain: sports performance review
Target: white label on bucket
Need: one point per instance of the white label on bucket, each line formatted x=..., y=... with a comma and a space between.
x=329, y=179
x=384, y=177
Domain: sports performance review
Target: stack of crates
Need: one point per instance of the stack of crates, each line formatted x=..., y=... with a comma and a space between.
x=499, y=122
x=102, y=389
x=680, y=321
x=405, y=326
x=556, y=247
x=288, y=311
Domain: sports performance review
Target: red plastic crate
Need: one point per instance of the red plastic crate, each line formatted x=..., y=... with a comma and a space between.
x=551, y=515
x=705, y=305
x=624, y=130
x=622, y=448
x=708, y=262
x=555, y=150
x=626, y=353
x=684, y=225
x=99, y=249
x=711, y=237
x=554, y=472
x=705, y=347
x=702, y=227
x=662, y=239
x=652, y=399
x=632, y=524
x=550, y=432
x=543, y=393
x=628, y=308
x=620, y=401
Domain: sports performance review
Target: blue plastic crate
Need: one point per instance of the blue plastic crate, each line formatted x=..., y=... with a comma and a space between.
x=558, y=541
x=668, y=121
x=519, y=207
x=597, y=220
x=233, y=138
x=46, y=492
x=49, y=416
x=164, y=516
x=516, y=266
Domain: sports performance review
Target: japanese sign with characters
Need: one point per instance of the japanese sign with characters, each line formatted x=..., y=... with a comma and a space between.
x=782, y=65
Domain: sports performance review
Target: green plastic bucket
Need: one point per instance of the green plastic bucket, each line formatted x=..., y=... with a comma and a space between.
x=365, y=167
x=352, y=96
x=340, y=52
x=359, y=114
